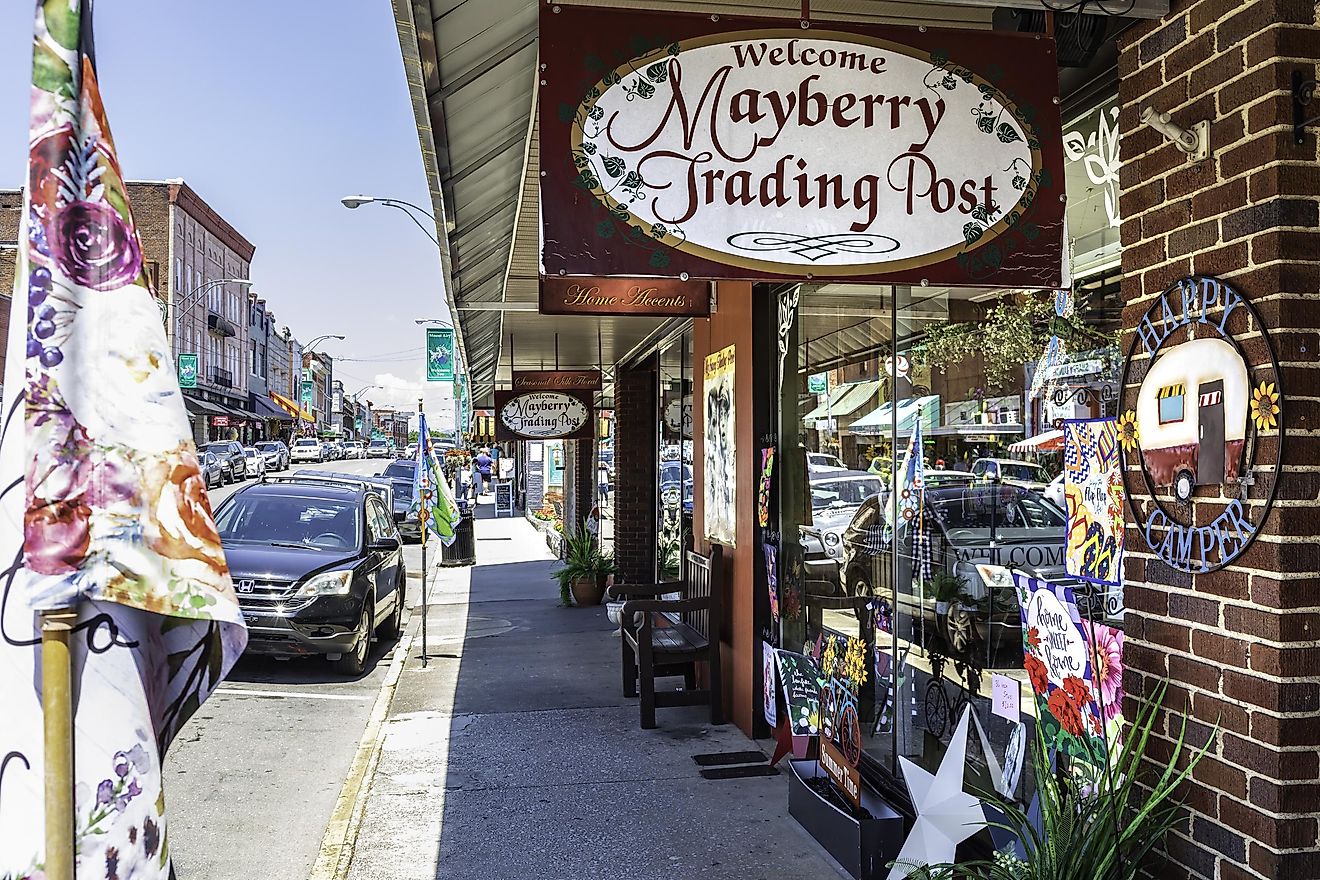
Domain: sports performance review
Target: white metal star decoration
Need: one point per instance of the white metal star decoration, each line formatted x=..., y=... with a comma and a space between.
x=946, y=815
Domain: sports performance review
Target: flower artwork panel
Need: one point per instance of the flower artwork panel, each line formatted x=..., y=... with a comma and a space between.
x=763, y=486
x=1094, y=499
x=1057, y=659
x=772, y=581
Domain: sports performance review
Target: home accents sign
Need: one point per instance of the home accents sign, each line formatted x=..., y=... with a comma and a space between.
x=1202, y=426
x=727, y=148
x=641, y=297
x=556, y=380
x=543, y=415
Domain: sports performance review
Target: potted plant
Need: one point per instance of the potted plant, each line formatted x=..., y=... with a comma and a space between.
x=585, y=569
x=1102, y=824
x=947, y=588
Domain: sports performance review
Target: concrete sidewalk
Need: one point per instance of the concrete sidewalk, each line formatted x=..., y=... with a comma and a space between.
x=514, y=754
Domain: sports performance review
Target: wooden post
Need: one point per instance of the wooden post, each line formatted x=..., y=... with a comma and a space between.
x=57, y=713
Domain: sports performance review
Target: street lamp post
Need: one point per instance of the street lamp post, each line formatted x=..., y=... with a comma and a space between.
x=352, y=202
x=189, y=300
x=310, y=349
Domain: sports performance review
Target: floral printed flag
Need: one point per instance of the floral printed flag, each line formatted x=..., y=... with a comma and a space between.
x=433, y=501
x=103, y=508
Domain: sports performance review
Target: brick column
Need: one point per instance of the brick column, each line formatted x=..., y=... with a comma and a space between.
x=1240, y=646
x=636, y=410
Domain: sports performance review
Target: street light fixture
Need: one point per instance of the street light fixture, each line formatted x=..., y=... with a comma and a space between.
x=440, y=321
x=352, y=202
x=308, y=347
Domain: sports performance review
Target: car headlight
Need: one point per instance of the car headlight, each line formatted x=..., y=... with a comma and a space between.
x=327, y=583
x=995, y=576
x=832, y=538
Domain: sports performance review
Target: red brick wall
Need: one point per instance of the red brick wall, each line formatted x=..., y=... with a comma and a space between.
x=636, y=410
x=1241, y=647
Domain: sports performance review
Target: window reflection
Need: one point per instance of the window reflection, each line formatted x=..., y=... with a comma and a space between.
x=674, y=481
x=919, y=611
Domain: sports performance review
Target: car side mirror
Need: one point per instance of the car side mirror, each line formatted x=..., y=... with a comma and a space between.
x=385, y=545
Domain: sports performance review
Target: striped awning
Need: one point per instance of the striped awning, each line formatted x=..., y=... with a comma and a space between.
x=1170, y=391
x=292, y=408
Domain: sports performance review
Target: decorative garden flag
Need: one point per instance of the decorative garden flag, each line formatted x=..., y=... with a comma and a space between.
x=1093, y=495
x=105, y=510
x=433, y=501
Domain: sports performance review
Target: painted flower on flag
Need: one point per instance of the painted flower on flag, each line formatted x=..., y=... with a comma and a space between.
x=1265, y=406
x=1127, y=430
x=1067, y=711
x=1033, y=639
x=1106, y=666
x=94, y=247
x=1040, y=678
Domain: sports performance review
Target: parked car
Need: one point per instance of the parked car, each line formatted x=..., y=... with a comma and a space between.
x=835, y=497
x=410, y=451
x=1026, y=474
x=275, y=453
x=823, y=462
x=213, y=472
x=945, y=479
x=256, y=461
x=230, y=452
x=377, y=449
x=676, y=485
x=307, y=449
x=317, y=567
x=333, y=451
x=353, y=449
x=980, y=533
x=1054, y=493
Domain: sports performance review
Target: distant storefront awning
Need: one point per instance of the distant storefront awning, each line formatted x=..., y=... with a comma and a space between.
x=292, y=408
x=845, y=400
x=881, y=421
x=1050, y=441
x=827, y=410
x=199, y=407
x=267, y=410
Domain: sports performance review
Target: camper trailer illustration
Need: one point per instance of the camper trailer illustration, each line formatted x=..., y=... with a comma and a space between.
x=1192, y=415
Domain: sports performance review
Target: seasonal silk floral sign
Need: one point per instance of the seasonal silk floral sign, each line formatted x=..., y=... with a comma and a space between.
x=1057, y=660
x=834, y=151
x=105, y=510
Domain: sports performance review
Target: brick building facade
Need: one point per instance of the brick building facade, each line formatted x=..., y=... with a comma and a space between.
x=1240, y=647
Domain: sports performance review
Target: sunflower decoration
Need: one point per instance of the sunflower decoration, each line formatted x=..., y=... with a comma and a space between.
x=1265, y=406
x=1127, y=430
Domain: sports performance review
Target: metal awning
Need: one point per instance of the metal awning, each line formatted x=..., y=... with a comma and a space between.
x=267, y=410
x=881, y=421
x=844, y=400
x=199, y=407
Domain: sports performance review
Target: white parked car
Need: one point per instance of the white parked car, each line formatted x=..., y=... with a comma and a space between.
x=256, y=461
x=823, y=463
x=1054, y=493
x=307, y=449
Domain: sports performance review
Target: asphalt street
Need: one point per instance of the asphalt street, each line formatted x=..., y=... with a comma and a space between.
x=253, y=778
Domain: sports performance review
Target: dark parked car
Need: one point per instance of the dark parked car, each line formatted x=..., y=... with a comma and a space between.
x=212, y=471
x=231, y=453
x=276, y=455
x=401, y=473
x=317, y=566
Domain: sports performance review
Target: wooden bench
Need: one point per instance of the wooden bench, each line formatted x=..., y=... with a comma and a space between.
x=669, y=637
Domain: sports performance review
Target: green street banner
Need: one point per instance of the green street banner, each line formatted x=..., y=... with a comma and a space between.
x=439, y=354
x=464, y=404
x=308, y=394
x=187, y=371
x=818, y=383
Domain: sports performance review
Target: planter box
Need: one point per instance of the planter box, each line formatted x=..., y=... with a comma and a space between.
x=861, y=847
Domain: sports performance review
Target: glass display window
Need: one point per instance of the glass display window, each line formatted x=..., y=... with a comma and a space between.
x=674, y=483
x=928, y=424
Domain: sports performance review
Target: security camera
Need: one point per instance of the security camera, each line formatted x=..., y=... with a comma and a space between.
x=1195, y=143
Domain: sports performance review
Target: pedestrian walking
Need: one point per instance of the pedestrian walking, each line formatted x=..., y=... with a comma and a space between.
x=603, y=480
x=484, y=463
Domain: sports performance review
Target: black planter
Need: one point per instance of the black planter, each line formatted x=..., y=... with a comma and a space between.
x=862, y=847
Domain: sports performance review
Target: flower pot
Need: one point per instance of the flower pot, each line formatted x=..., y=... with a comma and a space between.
x=941, y=608
x=587, y=591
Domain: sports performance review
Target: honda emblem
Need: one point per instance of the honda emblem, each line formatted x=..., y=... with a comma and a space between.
x=246, y=586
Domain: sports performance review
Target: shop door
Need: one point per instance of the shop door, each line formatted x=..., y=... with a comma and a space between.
x=1210, y=415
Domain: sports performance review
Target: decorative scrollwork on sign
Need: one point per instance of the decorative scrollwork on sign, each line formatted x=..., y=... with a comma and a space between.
x=814, y=247
x=788, y=303
x=1100, y=397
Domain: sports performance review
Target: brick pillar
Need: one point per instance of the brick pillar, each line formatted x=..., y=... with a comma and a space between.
x=1240, y=646
x=636, y=411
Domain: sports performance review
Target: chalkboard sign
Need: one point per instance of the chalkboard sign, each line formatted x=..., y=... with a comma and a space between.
x=504, y=498
x=801, y=681
x=535, y=487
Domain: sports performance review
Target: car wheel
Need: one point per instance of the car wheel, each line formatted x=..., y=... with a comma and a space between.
x=355, y=661
x=393, y=626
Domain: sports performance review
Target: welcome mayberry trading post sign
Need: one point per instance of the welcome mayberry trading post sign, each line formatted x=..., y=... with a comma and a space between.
x=740, y=148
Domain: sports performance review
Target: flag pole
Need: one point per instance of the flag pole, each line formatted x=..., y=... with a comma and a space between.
x=423, y=514
x=57, y=713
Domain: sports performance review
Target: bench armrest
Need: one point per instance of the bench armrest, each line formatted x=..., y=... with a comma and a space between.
x=625, y=591
x=649, y=606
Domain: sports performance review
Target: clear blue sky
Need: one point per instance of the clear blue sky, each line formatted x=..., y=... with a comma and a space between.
x=272, y=110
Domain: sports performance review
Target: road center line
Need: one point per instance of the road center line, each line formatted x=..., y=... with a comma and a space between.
x=303, y=695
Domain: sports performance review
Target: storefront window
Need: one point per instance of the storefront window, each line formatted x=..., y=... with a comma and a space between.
x=675, y=482
x=908, y=557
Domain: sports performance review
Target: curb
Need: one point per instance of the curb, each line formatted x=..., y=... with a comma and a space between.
x=341, y=832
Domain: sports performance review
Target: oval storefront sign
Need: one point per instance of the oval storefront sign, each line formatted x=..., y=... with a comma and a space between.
x=544, y=415
x=817, y=153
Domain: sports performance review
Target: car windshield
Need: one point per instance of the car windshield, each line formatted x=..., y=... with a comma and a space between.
x=306, y=443
x=1017, y=470
x=250, y=453
x=824, y=459
x=403, y=491
x=314, y=523
x=401, y=469
x=999, y=507
x=844, y=492
x=267, y=446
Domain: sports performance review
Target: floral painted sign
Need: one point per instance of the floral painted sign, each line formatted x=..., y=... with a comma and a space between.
x=107, y=512
x=1058, y=664
x=726, y=148
x=1093, y=496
